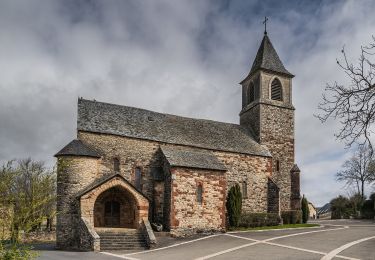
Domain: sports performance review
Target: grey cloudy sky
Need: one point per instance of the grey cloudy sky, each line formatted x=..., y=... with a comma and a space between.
x=180, y=57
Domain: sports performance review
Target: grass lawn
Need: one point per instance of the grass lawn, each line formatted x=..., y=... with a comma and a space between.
x=275, y=227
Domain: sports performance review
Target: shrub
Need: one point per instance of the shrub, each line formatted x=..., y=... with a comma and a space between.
x=234, y=205
x=291, y=216
x=259, y=219
x=305, y=209
x=367, y=210
x=16, y=252
x=340, y=207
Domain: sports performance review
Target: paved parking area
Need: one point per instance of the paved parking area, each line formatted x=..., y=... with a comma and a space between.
x=333, y=240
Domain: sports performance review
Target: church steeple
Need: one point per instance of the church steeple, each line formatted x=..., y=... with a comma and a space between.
x=268, y=60
x=268, y=113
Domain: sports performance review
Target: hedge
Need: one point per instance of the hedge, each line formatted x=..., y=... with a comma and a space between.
x=249, y=219
x=291, y=216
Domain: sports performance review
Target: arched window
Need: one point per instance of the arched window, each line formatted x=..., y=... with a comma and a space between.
x=251, y=93
x=138, y=178
x=199, y=194
x=276, y=90
x=116, y=165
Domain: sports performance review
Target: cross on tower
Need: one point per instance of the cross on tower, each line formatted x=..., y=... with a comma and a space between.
x=265, y=24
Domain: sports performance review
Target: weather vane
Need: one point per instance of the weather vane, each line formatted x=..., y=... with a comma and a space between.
x=265, y=25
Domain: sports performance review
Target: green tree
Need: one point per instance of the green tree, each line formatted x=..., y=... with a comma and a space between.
x=27, y=191
x=340, y=207
x=305, y=209
x=234, y=205
x=356, y=202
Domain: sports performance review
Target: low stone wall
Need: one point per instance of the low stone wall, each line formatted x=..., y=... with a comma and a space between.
x=89, y=239
x=148, y=233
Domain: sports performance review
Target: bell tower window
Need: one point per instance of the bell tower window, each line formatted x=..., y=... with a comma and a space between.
x=276, y=90
x=251, y=92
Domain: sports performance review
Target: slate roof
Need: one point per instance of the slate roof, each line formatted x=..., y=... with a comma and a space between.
x=76, y=147
x=295, y=168
x=268, y=59
x=98, y=117
x=102, y=180
x=186, y=157
x=325, y=209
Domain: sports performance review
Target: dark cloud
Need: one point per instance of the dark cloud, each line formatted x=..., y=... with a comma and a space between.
x=180, y=57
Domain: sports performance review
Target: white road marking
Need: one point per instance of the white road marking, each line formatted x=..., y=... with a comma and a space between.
x=308, y=250
x=246, y=238
x=303, y=233
x=333, y=253
x=279, y=229
x=266, y=240
x=119, y=256
x=290, y=247
x=227, y=251
x=174, y=245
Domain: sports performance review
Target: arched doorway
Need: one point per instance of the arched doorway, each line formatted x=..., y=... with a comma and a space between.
x=115, y=208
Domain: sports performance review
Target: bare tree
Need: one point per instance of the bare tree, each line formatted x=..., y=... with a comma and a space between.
x=358, y=170
x=353, y=104
x=27, y=191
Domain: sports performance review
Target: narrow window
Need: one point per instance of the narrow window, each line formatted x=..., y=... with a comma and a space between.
x=277, y=165
x=251, y=92
x=244, y=189
x=116, y=165
x=276, y=90
x=199, y=194
x=244, y=96
x=138, y=178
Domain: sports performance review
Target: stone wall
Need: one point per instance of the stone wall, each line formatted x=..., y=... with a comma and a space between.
x=278, y=135
x=254, y=170
x=273, y=197
x=89, y=239
x=272, y=123
x=295, y=188
x=73, y=174
x=132, y=153
x=188, y=216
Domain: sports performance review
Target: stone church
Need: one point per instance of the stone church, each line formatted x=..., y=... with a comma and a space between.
x=129, y=167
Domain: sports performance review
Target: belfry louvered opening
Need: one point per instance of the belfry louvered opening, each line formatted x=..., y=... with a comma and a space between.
x=276, y=90
x=251, y=92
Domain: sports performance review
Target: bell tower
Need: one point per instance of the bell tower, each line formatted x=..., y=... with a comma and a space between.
x=268, y=112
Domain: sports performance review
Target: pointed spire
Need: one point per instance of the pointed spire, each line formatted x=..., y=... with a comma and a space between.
x=267, y=59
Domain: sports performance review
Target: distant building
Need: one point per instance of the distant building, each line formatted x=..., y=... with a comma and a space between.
x=325, y=212
x=312, y=211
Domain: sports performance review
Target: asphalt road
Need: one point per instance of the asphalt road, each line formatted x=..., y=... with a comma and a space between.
x=333, y=240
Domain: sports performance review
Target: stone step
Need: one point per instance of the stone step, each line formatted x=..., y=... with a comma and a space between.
x=122, y=248
x=124, y=244
x=123, y=241
x=106, y=235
